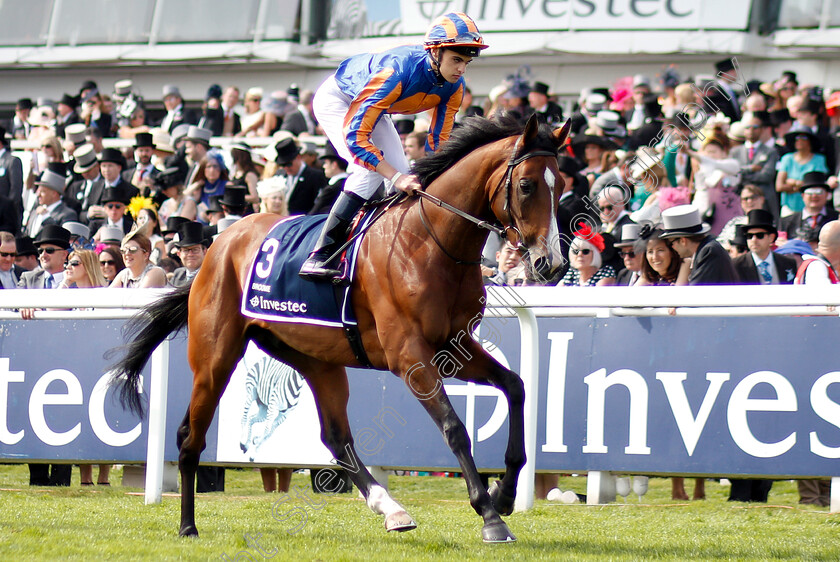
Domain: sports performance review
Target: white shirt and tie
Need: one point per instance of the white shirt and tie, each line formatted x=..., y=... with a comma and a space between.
x=767, y=273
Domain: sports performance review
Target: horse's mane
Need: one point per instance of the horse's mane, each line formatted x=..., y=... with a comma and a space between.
x=473, y=133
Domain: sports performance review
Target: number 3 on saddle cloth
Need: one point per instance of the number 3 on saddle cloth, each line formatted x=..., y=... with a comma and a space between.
x=276, y=293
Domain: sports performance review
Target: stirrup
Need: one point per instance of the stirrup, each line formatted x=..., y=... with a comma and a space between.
x=315, y=269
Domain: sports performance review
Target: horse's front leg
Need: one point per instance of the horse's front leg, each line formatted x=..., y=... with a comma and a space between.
x=426, y=384
x=479, y=367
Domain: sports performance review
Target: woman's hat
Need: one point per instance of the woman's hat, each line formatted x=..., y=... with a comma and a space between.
x=814, y=179
x=759, y=218
x=42, y=116
x=190, y=233
x=162, y=141
x=234, y=196
x=683, y=220
x=790, y=139
x=579, y=143
x=53, y=234
x=270, y=186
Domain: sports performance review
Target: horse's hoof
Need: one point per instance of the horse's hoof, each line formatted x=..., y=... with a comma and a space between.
x=399, y=521
x=188, y=531
x=497, y=532
x=501, y=501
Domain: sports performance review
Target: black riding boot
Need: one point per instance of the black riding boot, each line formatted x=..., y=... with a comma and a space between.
x=316, y=267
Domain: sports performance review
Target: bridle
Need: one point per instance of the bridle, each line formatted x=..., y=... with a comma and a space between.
x=502, y=230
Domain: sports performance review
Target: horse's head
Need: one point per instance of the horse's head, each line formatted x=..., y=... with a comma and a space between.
x=527, y=197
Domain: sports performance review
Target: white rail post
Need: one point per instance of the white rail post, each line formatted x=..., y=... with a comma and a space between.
x=157, y=422
x=834, y=506
x=529, y=370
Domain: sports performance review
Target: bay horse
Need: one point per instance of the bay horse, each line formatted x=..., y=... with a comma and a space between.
x=418, y=286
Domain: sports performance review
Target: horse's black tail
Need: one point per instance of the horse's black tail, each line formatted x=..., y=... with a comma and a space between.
x=146, y=330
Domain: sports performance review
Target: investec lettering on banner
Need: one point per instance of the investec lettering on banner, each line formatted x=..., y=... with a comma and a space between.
x=703, y=395
x=523, y=15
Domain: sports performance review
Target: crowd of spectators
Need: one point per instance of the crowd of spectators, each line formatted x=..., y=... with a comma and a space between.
x=675, y=181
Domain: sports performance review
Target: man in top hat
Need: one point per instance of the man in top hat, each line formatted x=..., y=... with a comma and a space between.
x=762, y=266
x=302, y=182
x=11, y=175
x=757, y=158
x=197, y=143
x=114, y=201
x=191, y=248
x=111, y=165
x=50, y=209
x=636, y=116
x=710, y=263
x=143, y=173
x=546, y=110
x=335, y=168
x=10, y=272
x=233, y=201
x=176, y=114
x=27, y=253
x=66, y=114
x=86, y=191
x=20, y=122
x=817, y=212
x=631, y=253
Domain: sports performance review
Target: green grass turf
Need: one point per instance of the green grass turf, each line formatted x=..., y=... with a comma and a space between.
x=96, y=523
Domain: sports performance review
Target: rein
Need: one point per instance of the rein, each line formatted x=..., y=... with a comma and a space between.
x=503, y=231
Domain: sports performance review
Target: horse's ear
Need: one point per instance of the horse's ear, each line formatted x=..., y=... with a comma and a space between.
x=529, y=134
x=560, y=135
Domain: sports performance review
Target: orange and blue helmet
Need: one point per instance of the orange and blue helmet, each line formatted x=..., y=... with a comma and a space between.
x=455, y=30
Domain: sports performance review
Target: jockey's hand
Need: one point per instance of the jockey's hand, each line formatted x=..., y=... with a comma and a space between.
x=408, y=183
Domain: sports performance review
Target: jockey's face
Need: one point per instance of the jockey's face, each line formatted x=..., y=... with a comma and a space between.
x=452, y=65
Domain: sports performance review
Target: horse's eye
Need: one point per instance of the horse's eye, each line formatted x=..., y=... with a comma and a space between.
x=527, y=186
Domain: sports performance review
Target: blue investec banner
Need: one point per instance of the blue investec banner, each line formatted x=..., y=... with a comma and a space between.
x=670, y=395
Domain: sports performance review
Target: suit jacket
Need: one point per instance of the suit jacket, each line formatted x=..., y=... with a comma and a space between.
x=96, y=224
x=616, y=231
x=9, y=221
x=295, y=123
x=61, y=214
x=17, y=272
x=303, y=195
x=712, y=265
x=179, y=278
x=128, y=174
x=11, y=181
x=72, y=118
x=623, y=278
x=326, y=197
x=33, y=279
x=764, y=155
x=748, y=272
x=74, y=197
x=792, y=223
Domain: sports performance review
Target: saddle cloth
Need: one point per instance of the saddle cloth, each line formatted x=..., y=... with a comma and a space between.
x=276, y=293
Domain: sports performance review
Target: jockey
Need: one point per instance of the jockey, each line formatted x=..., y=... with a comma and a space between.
x=354, y=106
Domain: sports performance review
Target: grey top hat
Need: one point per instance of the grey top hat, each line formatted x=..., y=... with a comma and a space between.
x=179, y=133
x=629, y=235
x=199, y=134
x=52, y=180
x=111, y=234
x=75, y=133
x=683, y=220
x=77, y=229
x=85, y=157
x=171, y=90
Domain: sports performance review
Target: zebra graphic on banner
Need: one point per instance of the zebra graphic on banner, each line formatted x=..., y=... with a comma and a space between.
x=272, y=390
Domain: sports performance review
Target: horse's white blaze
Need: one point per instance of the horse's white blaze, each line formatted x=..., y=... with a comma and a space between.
x=553, y=242
x=549, y=178
x=379, y=501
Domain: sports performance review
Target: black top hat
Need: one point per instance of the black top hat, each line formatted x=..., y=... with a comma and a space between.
x=540, y=88
x=143, y=139
x=759, y=218
x=330, y=153
x=174, y=223
x=814, y=179
x=790, y=139
x=779, y=116
x=24, y=103
x=70, y=101
x=725, y=66
x=190, y=233
x=789, y=76
x=568, y=165
x=3, y=140
x=112, y=155
x=739, y=238
x=579, y=143
x=214, y=206
x=214, y=91
x=88, y=85
x=287, y=149
x=54, y=234
x=404, y=126
x=234, y=196
x=115, y=194
x=25, y=246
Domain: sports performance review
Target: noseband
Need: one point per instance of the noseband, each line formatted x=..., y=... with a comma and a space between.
x=501, y=231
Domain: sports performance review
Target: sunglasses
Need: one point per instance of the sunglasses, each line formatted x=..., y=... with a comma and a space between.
x=114, y=206
x=628, y=254
x=107, y=262
x=49, y=251
x=757, y=235
x=606, y=208
x=584, y=251
x=73, y=264
x=129, y=250
x=8, y=254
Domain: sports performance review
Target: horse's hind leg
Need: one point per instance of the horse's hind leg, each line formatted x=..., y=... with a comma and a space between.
x=216, y=343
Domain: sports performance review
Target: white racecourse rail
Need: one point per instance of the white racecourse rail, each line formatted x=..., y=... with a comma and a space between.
x=741, y=300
